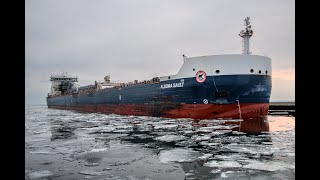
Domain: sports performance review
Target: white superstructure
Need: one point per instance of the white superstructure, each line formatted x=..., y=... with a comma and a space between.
x=61, y=83
x=227, y=64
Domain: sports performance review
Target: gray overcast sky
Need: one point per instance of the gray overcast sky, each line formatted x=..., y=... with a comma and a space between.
x=140, y=39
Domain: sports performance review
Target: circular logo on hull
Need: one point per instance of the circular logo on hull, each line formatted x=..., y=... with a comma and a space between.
x=201, y=76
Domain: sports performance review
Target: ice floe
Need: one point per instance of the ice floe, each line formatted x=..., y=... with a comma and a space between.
x=223, y=164
x=268, y=165
x=166, y=126
x=178, y=155
x=251, y=148
x=170, y=138
x=215, y=171
x=99, y=150
x=200, y=138
x=41, y=152
x=93, y=173
x=230, y=157
x=40, y=174
x=205, y=156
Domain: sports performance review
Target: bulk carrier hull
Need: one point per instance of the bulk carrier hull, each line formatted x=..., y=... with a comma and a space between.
x=215, y=86
x=225, y=96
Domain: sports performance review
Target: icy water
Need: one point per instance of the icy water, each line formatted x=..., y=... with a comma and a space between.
x=71, y=145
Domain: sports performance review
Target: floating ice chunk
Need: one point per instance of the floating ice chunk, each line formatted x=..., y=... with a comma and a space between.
x=40, y=152
x=91, y=164
x=200, y=138
x=205, y=156
x=169, y=121
x=291, y=154
x=170, y=138
x=188, y=132
x=165, y=126
x=215, y=171
x=238, y=133
x=223, y=131
x=268, y=166
x=229, y=157
x=27, y=171
x=189, y=174
x=206, y=143
x=178, y=155
x=187, y=143
x=132, y=178
x=218, y=127
x=100, y=129
x=99, y=150
x=266, y=143
x=106, y=169
x=216, y=133
x=206, y=129
x=34, y=140
x=123, y=131
x=124, y=126
x=93, y=173
x=40, y=174
x=89, y=177
x=223, y=175
x=223, y=164
x=251, y=148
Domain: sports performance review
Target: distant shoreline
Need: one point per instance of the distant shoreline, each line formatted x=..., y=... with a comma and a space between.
x=283, y=103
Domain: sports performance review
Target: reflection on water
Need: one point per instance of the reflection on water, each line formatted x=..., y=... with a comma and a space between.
x=281, y=123
x=81, y=146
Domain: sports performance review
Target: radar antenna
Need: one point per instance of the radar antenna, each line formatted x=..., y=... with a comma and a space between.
x=246, y=34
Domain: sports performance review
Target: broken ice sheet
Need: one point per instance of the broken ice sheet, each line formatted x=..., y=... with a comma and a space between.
x=93, y=173
x=268, y=165
x=41, y=152
x=223, y=164
x=178, y=155
x=201, y=138
x=229, y=157
x=205, y=156
x=166, y=126
x=170, y=138
x=251, y=148
x=215, y=171
x=40, y=174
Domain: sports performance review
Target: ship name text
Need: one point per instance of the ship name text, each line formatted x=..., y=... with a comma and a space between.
x=172, y=85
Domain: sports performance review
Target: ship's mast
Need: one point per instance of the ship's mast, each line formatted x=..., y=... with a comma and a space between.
x=246, y=34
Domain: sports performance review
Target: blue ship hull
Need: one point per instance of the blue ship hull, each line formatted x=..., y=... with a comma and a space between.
x=216, y=97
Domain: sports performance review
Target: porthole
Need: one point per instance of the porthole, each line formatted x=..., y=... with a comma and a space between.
x=169, y=77
x=194, y=69
x=266, y=72
x=217, y=71
x=251, y=70
x=259, y=71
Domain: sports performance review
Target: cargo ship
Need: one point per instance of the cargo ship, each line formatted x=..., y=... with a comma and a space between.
x=206, y=87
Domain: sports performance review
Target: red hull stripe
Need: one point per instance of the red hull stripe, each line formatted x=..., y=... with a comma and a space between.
x=194, y=111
